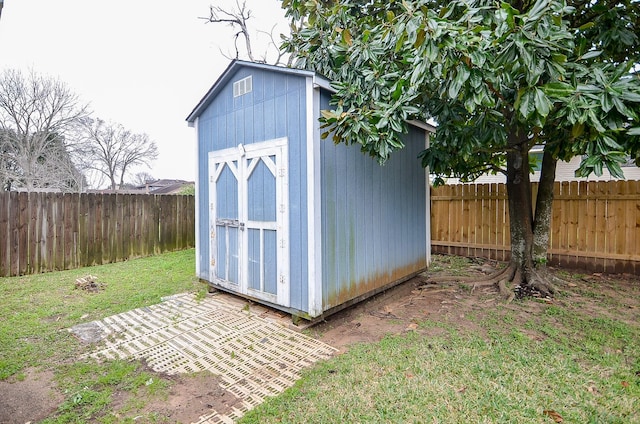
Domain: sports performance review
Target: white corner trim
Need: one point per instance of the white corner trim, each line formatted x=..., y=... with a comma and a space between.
x=314, y=204
x=197, y=188
x=427, y=136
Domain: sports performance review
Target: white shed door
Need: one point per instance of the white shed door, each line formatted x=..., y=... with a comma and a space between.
x=249, y=220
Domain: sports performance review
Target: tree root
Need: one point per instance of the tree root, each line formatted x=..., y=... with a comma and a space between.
x=478, y=280
x=525, y=283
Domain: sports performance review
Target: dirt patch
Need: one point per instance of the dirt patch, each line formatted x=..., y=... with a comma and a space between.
x=462, y=305
x=190, y=397
x=30, y=399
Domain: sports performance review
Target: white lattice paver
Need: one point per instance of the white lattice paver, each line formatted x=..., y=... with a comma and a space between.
x=254, y=357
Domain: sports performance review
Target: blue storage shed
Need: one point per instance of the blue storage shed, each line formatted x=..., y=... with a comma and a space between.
x=293, y=221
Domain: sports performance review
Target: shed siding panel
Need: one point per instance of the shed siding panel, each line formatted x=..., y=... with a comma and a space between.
x=274, y=108
x=373, y=223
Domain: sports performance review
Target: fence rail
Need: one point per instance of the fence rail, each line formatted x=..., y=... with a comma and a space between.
x=595, y=226
x=54, y=231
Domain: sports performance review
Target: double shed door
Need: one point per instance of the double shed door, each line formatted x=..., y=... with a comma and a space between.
x=248, y=191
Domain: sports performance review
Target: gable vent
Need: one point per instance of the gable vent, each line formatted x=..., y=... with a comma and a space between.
x=242, y=86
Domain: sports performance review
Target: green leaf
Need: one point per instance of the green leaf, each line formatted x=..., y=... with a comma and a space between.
x=420, y=37
x=577, y=130
x=538, y=9
x=606, y=102
x=633, y=131
x=542, y=103
x=558, y=89
x=526, y=105
x=630, y=96
x=591, y=54
x=588, y=25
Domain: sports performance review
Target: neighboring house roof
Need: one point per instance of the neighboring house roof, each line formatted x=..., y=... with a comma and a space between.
x=164, y=186
x=152, y=187
x=565, y=171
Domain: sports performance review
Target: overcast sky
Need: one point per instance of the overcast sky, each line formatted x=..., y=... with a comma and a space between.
x=142, y=63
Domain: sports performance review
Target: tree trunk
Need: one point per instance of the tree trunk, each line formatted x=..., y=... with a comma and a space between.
x=544, y=202
x=520, y=210
x=529, y=236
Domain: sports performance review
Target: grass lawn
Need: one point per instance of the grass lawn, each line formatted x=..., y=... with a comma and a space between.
x=37, y=310
x=575, y=359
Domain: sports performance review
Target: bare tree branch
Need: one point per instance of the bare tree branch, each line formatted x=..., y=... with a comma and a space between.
x=237, y=18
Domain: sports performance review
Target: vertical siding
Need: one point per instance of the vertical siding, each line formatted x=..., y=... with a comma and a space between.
x=274, y=108
x=373, y=218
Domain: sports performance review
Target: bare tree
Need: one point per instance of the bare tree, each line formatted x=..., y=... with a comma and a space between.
x=237, y=18
x=142, y=178
x=112, y=151
x=38, y=119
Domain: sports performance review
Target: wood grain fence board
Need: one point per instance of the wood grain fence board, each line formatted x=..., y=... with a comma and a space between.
x=505, y=232
x=32, y=216
x=601, y=211
x=59, y=230
x=581, y=224
x=625, y=231
x=179, y=220
x=83, y=229
x=92, y=229
x=630, y=225
x=573, y=223
x=23, y=227
x=127, y=218
x=5, y=235
x=636, y=226
x=483, y=212
x=464, y=217
x=611, y=225
x=112, y=220
x=14, y=239
x=444, y=217
x=71, y=240
x=597, y=225
x=152, y=227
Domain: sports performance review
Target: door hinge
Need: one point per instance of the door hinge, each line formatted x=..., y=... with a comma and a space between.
x=213, y=262
x=282, y=279
x=282, y=244
x=282, y=173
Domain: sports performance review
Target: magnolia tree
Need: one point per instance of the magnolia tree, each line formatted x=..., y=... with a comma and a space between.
x=497, y=77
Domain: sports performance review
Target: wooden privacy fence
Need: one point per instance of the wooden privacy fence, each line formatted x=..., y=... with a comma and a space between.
x=54, y=231
x=595, y=226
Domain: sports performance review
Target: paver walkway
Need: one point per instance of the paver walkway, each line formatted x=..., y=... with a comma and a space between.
x=254, y=355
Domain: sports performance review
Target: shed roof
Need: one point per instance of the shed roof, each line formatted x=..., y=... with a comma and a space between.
x=228, y=73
